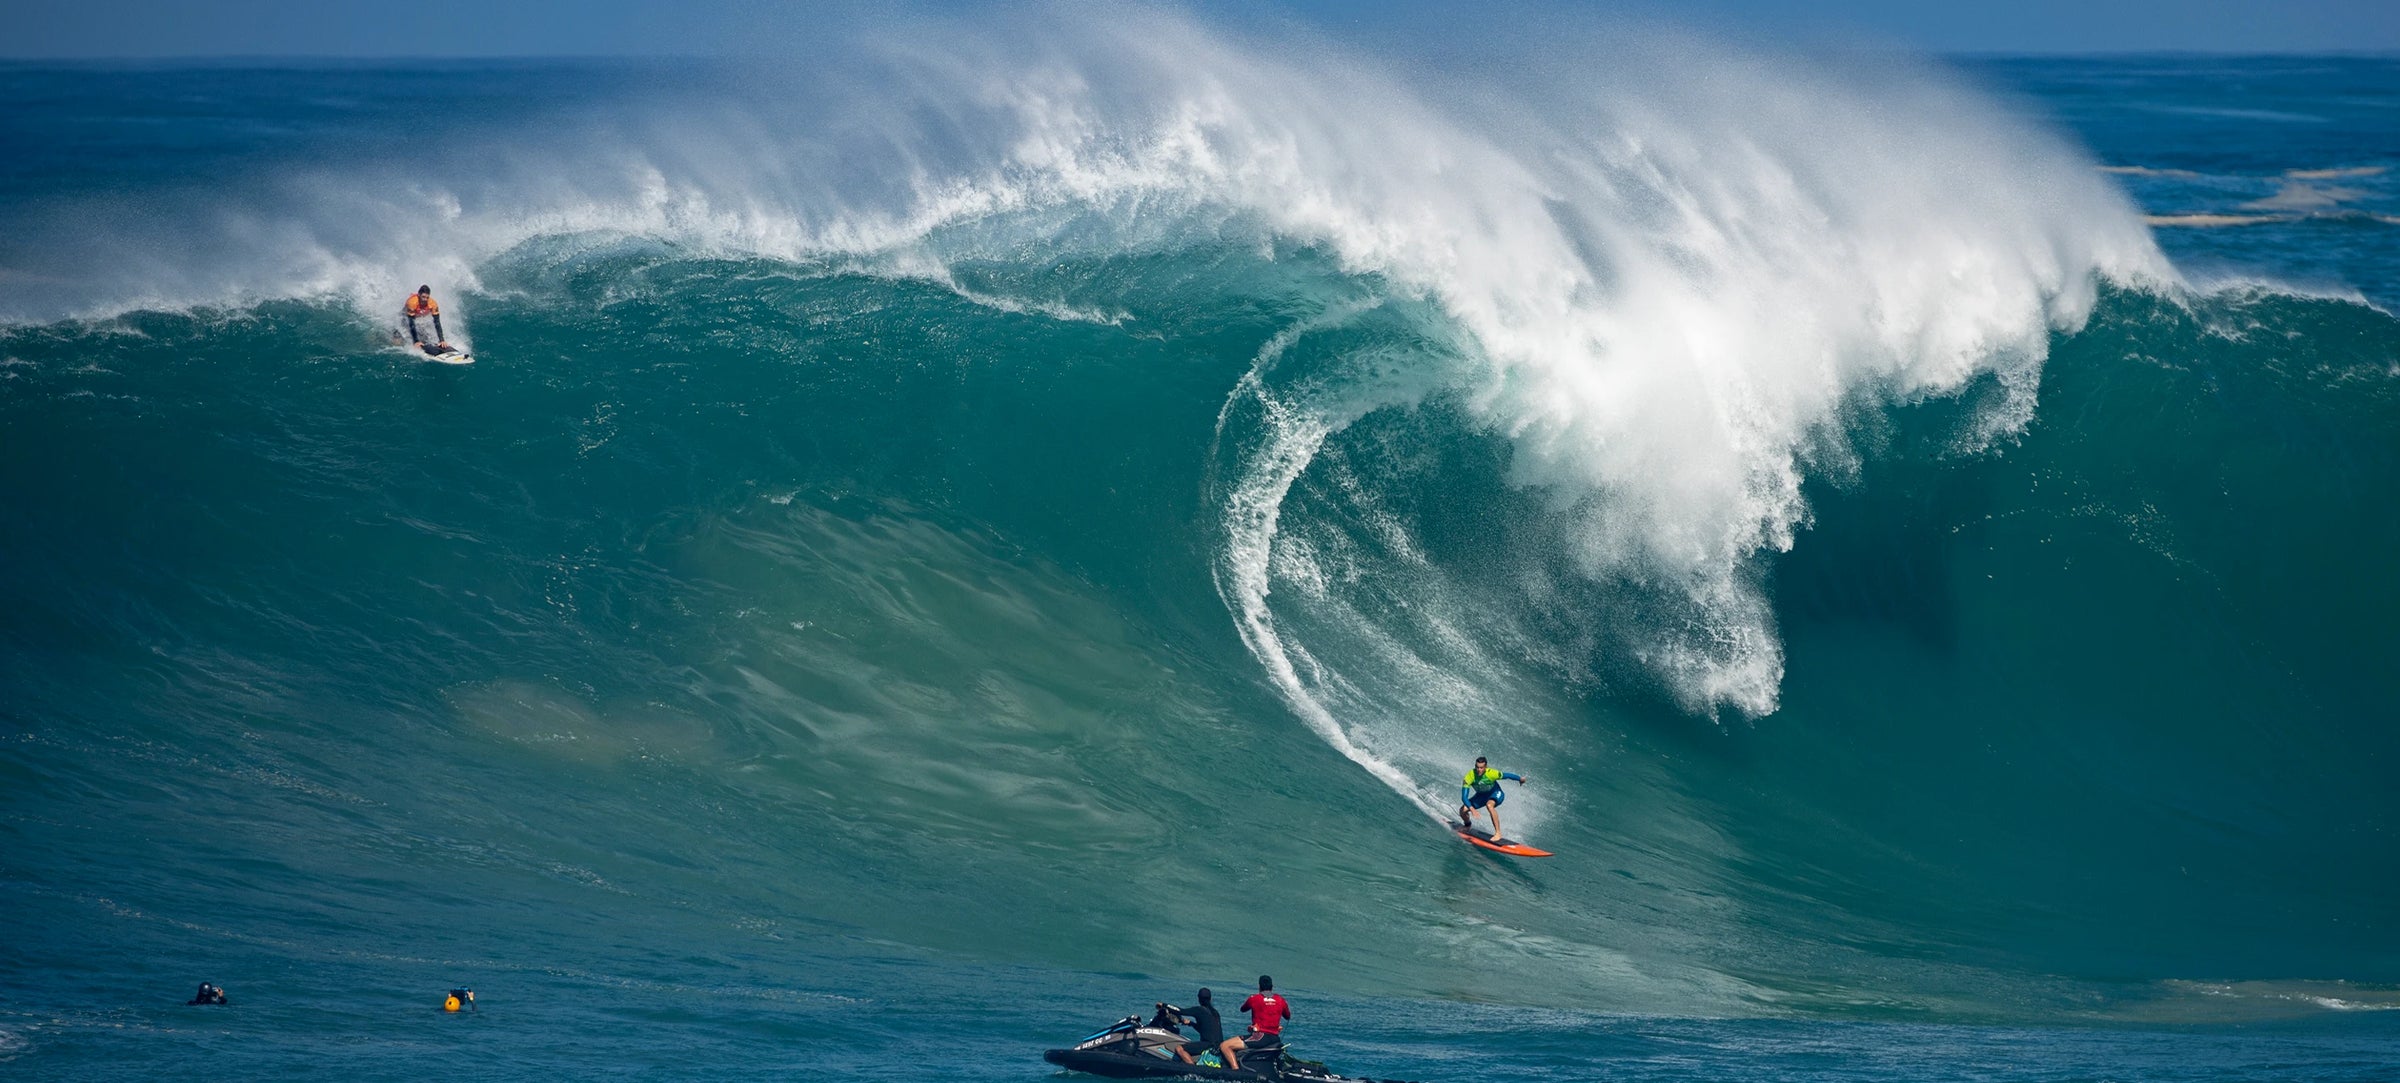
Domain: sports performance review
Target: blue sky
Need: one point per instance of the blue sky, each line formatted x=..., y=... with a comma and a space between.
x=347, y=28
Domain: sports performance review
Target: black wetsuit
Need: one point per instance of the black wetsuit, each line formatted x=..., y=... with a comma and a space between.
x=1203, y=1018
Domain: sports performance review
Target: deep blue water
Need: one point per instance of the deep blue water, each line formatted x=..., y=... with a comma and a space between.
x=947, y=545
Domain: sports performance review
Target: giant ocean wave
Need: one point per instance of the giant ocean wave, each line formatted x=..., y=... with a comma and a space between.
x=1040, y=457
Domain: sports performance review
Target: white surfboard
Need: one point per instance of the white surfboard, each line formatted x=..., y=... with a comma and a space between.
x=445, y=354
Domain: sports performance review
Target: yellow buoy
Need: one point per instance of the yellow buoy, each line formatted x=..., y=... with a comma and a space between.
x=450, y=1003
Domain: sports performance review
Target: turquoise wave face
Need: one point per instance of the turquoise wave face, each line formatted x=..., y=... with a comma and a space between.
x=730, y=596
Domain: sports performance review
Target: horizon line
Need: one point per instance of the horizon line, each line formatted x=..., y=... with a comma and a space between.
x=2380, y=53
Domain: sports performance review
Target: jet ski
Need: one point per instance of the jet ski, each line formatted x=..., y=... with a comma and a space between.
x=1132, y=1049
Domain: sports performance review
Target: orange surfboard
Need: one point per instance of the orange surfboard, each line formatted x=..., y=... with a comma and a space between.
x=1483, y=838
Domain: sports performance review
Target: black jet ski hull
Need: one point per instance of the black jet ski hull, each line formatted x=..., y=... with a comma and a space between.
x=1139, y=1066
x=1145, y=1066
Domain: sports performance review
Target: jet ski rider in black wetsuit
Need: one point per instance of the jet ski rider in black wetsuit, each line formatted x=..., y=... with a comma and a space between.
x=1201, y=1017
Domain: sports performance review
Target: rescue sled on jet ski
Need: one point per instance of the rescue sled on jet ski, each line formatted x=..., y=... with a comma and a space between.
x=1132, y=1049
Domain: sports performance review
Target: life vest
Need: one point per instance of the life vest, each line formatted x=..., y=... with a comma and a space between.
x=1483, y=781
x=420, y=304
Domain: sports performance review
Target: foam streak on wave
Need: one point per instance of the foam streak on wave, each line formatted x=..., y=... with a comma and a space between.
x=1245, y=573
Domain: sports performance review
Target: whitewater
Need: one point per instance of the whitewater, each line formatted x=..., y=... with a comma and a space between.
x=1038, y=512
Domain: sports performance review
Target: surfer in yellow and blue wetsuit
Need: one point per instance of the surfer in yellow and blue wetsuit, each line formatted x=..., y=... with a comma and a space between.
x=1481, y=790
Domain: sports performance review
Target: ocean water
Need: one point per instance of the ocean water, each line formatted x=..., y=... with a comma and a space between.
x=955, y=540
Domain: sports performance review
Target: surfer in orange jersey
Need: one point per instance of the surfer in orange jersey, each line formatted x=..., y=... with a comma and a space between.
x=420, y=304
x=1481, y=790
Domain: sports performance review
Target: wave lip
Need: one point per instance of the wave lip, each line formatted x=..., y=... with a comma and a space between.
x=1673, y=288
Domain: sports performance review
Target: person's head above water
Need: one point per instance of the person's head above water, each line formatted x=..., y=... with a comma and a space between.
x=425, y=290
x=1204, y=995
x=1266, y=984
x=1481, y=762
